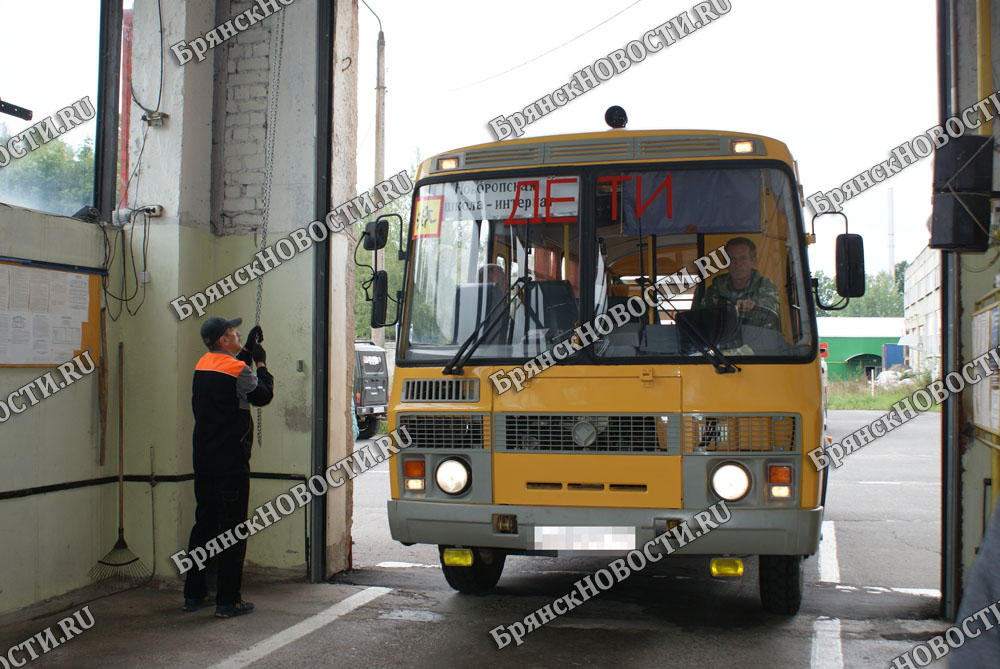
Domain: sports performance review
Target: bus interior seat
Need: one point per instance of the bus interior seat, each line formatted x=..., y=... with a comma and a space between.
x=552, y=302
x=473, y=304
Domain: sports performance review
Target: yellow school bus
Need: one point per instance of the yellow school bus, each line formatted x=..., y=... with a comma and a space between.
x=514, y=248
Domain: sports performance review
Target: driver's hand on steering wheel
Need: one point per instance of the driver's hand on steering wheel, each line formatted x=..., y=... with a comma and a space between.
x=745, y=305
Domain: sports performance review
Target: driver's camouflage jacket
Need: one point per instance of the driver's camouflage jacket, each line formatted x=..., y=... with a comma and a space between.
x=759, y=288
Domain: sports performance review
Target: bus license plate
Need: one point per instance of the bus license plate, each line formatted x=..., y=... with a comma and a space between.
x=570, y=538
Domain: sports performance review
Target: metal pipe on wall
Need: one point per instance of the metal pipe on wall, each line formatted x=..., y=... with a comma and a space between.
x=951, y=557
x=326, y=29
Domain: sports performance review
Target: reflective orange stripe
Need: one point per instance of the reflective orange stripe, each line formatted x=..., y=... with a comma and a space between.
x=220, y=362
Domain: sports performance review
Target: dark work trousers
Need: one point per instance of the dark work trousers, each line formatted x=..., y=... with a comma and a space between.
x=221, y=504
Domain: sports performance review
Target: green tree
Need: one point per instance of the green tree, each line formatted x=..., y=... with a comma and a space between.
x=882, y=296
x=901, y=275
x=827, y=288
x=393, y=267
x=55, y=177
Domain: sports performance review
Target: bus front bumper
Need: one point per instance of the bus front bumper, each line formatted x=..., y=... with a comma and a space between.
x=748, y=532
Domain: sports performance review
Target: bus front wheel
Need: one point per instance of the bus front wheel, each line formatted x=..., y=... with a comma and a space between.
x=487, y=566
x=780, y=580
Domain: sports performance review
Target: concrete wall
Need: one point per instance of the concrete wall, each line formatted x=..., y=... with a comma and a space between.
x=51, y=541
x=340, y=438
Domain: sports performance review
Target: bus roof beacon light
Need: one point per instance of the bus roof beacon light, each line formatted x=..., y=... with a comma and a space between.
x=616, y=117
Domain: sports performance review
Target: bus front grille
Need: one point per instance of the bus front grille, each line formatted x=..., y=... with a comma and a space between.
x=440, y=390
x=715, y=433
x=452, y=431
x=587, y=433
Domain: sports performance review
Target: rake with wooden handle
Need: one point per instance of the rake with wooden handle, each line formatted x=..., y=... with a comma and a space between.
x=102, y=388
x=120, y=563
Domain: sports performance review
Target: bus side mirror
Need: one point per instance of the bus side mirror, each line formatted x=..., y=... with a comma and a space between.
x=380, y=298
x=376, y=234
x=850, y=265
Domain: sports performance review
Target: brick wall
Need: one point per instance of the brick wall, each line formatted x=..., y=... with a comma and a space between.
x=246, y=94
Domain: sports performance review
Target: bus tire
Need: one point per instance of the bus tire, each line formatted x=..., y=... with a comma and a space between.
x=780, y=581
x=487, y=566
x=367, y=427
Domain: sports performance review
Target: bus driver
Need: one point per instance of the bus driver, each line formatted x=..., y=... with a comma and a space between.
x=743, y=285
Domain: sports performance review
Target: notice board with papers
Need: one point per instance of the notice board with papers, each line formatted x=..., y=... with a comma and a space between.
x=986, y=394
x=47, y=315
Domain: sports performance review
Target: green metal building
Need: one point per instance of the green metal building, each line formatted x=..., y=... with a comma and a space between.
x=854, y=345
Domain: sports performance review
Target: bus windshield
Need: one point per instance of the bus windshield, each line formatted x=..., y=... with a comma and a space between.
x=499, y=260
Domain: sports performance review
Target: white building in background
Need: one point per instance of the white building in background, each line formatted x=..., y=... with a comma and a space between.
x=922, y=312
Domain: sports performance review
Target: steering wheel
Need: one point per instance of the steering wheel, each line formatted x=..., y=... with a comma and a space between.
x=762, y=317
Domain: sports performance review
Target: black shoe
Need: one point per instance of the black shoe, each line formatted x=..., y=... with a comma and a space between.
x=240, y=608
x=191, y=604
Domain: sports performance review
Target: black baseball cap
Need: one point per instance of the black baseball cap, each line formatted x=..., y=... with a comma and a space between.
x=215, y=327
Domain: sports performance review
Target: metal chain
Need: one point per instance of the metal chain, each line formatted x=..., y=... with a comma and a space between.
x=269, y=132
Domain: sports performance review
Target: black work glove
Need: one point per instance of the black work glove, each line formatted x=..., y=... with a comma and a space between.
x=258, y=353
x=255, y=336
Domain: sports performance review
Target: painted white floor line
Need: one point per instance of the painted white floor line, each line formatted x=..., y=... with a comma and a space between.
x=299, y=630
x=406, y=565
x=882, y=590
x=924, y=483
x=826, y=649
x=829, y=566
x=922, y=592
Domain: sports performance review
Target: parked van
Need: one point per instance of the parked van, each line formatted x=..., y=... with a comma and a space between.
x=371, y=386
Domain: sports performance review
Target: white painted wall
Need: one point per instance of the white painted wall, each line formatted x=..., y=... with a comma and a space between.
x=51, y=541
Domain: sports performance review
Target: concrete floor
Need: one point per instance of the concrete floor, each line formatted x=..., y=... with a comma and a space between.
x=396, y=610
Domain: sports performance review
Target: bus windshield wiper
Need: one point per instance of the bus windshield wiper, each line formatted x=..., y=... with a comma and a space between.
x=706, y=347
x=472, y=342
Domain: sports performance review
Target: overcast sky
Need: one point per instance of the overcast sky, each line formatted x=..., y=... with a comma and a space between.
x=841, y=83
x=66, y=69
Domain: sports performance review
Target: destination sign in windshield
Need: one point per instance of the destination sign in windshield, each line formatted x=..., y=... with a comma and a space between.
x=513, y=201
x=686, y=201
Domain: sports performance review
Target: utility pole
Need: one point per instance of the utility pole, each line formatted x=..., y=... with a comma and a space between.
x=378, y=334
x=892, y=239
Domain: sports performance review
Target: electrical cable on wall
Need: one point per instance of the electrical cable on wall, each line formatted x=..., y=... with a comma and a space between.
x=124, y=299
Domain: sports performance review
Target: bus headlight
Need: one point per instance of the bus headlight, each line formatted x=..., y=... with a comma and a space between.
x=452, y=476
x=730, y=481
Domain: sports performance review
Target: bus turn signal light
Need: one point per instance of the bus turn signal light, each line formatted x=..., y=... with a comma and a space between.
x=727, y=567
x=779, y=474
x=414, y=468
